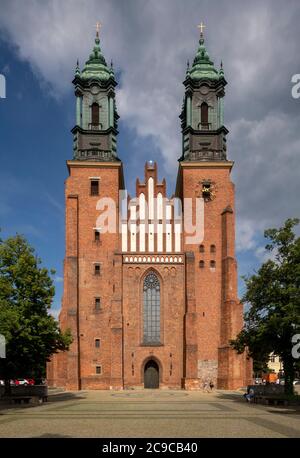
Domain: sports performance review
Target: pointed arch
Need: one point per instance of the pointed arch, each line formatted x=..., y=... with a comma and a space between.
x=146, y=361
x=151, y=308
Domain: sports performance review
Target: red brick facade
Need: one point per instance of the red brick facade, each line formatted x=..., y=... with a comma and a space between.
x=199, y=309
x=127, y=331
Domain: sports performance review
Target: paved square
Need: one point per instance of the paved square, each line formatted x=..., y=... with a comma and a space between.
x=148, y=413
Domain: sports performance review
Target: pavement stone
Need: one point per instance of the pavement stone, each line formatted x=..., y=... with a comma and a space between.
x=148, y=413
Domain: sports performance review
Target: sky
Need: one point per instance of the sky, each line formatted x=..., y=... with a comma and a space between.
x=149, y=42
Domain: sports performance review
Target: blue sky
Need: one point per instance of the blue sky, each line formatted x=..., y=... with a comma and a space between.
x=149, y=43
x=36, y=143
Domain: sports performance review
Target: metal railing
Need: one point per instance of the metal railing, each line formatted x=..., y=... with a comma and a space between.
x=93, y=126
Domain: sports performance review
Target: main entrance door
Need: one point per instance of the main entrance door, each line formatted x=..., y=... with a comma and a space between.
x=151, y=375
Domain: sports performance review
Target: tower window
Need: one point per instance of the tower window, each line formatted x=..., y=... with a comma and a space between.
x=94, y=187
x=201, y=248
x=95, y=114
x=204, y=115
x=97, y=343
x=212, y=248
x=97, y=303
x=213, y=264
x=98, y=370
x=97, y=236
x=97, y=269
x=201, y=264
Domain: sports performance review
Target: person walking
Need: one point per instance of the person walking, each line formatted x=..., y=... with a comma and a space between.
x=206, y=387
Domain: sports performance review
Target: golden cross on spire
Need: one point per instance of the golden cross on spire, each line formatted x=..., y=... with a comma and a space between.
x=201, y=26
x=98, y=26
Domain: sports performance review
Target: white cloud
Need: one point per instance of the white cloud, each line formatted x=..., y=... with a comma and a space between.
x=264, y=255
x=267, y=152
x=149, y=42
x=55, y=313
x=245, y=235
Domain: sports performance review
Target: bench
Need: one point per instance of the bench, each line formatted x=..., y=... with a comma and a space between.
x=260, y=399
x=20, y=399
x=26, y=399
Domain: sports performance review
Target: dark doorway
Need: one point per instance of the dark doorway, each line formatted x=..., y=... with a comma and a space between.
x=151, y=375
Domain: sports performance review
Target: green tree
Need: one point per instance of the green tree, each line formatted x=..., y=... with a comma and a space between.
x=273, y=296
x=26, y=293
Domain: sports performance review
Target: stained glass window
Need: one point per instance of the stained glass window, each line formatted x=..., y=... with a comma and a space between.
x=151, y=309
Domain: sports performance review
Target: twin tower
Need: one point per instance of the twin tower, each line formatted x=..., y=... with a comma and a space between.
x=150, y=303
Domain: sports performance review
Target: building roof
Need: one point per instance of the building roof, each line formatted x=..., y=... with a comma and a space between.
x=95, y=67
x=202, y=66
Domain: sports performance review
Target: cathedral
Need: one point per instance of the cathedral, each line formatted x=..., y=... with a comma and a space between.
x=150, y=281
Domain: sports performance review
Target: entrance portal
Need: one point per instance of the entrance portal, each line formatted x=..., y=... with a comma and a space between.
x=151, y=375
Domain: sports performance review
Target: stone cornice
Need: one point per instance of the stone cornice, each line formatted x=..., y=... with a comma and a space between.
x=207, y=164
x=96, y=164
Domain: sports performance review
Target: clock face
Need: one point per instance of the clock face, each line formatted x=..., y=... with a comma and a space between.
x=204, y=89
x=206, y=190
x=95, y=89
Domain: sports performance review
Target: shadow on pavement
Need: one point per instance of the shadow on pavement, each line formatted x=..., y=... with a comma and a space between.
x=5, y=404
x=65, y=396
x=52, y=436
x=276, y=409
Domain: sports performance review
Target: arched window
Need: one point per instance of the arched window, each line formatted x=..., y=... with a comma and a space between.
x=212, y=248
x=95, y=114
x=204, y=115
x=151, y=310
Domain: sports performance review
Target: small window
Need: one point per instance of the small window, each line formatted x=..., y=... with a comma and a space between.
x=212, y=264
x=97, y=343
x=94, y=187
x=99, y=370
x=204, y=115
x=212, y=248
x=95, y=114
x=201, y=264
x=97, y=303
x=97, y=269
x=97, y=236
x=201, y=248
x=272, y=359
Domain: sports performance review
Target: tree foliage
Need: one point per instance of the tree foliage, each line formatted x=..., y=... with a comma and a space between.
x=273, y=296
x=26, y=293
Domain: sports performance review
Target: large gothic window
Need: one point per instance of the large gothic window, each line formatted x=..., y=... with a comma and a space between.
x=151, y=309
x=95, y=114
x=204, y=115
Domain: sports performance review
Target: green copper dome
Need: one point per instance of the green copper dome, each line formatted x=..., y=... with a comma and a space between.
x=202, y=66
x=95, y=67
